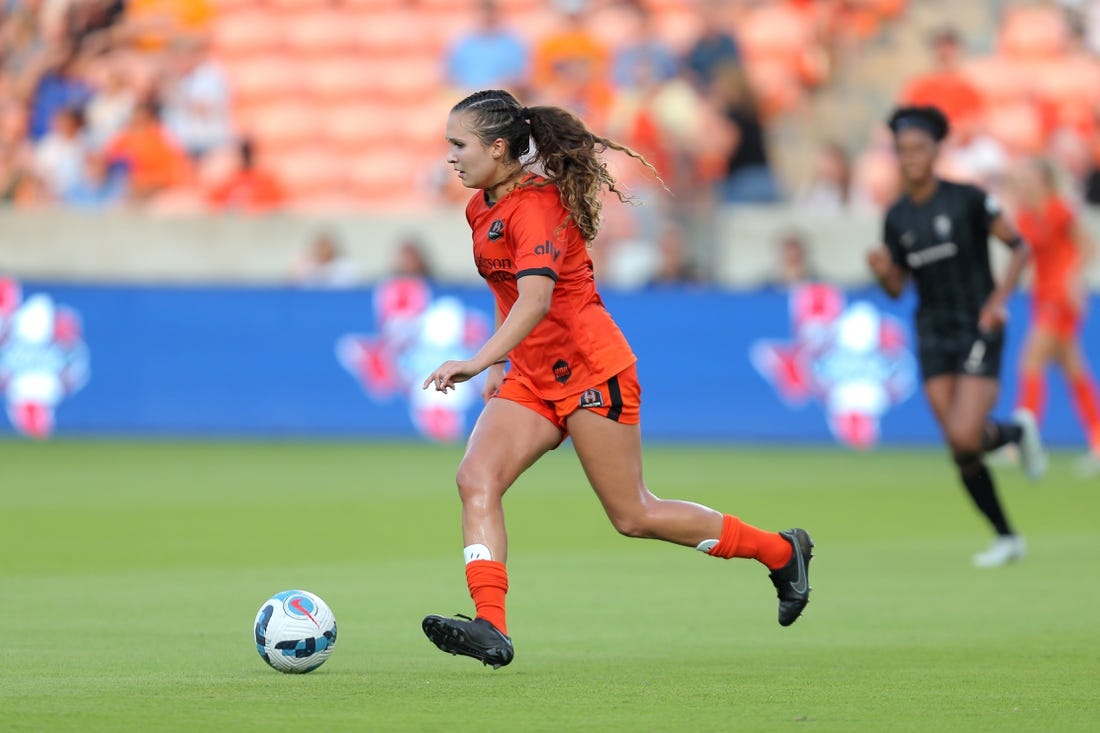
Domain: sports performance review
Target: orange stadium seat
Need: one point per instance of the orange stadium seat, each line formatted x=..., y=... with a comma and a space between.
x=998, y=78
x=397, y=33
x=282, y=125
x=357, y=126
x=380, y=174
x=309, y=170
x=263, y=78
x=319, y=33
x=1017, y=125
x=417, y=78
x=247, y=32
x=339, y=78
x=774, y=32
x=1033, y=31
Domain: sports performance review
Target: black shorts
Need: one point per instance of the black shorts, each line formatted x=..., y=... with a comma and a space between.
x=960, y=352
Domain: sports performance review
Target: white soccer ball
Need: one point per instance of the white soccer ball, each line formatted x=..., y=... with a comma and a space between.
x=295, y=631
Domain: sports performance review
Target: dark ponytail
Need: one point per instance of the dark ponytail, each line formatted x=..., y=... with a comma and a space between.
x=565, y=149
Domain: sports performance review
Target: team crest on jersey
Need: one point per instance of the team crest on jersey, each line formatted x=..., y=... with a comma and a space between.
x=941, y=224
x=908, y=239
x=591, y=398
x=496, y=230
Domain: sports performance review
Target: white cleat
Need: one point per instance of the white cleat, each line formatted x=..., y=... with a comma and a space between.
x=1004, y=550
x=1033, y=457
x=1088, y=465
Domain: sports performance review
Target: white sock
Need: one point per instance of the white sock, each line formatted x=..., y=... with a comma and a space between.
x=478, y=552
x=706, y=545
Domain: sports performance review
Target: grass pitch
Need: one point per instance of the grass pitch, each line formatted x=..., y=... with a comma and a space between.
x=132, y=572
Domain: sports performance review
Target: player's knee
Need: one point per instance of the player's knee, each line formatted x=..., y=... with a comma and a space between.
x=475, y=485
x=967, y=461
x=964, y=441
x=634, y=523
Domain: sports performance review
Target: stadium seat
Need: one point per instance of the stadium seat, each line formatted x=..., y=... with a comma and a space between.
x=246, y=33
x=355, y=127
x=397, y=34
x=998, y=78
x=310, y=170
x=320, y=33
x=1017, y=125
x=1033, y=31
x=284, y=124
x=339, y=78
x=264, y=78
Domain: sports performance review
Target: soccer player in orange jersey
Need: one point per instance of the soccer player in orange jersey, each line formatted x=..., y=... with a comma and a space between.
x=1060, y=247
x=572, y=371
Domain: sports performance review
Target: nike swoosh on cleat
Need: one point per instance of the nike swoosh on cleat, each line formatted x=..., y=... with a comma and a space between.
x=799, y=585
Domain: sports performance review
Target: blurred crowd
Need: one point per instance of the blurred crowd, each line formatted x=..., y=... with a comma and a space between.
x=188, y=106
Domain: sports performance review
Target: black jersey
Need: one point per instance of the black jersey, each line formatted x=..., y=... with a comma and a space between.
x=944, y=244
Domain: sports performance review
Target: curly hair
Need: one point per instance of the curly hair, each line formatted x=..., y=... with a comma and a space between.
x=565, y=149
x=930, y=119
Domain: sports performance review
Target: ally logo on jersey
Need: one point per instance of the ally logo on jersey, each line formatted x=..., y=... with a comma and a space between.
x=416, y=332
x=851, y=358
x=43, y=358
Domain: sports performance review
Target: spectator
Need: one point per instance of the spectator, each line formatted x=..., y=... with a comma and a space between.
x=571, y=68
x=100, y=188
x=411, y=259
x=748, y=177
x=945, y=86
x=59, y=157
x=59, y=87
x=646, y=59
x=715, y=48
x=324, y=265
x=196, y=98
x=18, y=183
x=152, y=158
x=488, y=57
x=110, y=107
x=829, y=190
x=247, y=189
x=793, y=266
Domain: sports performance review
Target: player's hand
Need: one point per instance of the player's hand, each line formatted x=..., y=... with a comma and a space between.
x=450, y=373
x=493, y=378
x=880, y=261
x=994, y=314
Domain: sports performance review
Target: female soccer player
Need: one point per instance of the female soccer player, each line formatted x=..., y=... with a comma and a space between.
x=937, y=233
x=1060, y=247
x=572, y=371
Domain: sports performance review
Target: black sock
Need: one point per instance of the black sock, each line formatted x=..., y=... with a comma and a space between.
x=997, y=434
x=979, y=484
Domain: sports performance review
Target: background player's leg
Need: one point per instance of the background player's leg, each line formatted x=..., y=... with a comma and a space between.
x=1082, y=388
x=611, y=454
x=1038, y=351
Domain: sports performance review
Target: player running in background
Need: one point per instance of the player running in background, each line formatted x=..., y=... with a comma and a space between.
x=572, y=371
x=1061, y=248
x=937, y=233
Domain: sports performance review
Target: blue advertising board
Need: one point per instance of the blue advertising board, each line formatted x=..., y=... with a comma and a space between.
x=814, y=366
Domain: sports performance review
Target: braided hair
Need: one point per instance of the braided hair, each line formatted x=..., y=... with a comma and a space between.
x=565, y=149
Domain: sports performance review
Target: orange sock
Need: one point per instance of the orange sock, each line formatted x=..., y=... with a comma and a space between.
x=744, y=540
x=1085, y=399
x=1033, y=393
x=488, y=581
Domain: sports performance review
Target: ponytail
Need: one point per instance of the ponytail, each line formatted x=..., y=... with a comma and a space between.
x=566, y=151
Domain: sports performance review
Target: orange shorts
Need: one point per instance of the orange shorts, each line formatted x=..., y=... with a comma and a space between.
x=1057, y=316
x=618, y=399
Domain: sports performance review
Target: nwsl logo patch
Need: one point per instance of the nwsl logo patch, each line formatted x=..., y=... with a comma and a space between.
x=852, y=359
x=496, y=230
x=43, y=358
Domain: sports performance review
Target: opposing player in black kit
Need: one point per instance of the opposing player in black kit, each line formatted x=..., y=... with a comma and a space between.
x=937, y=233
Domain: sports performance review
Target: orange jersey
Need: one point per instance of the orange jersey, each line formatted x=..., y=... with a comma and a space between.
x=1049, y=232
x=577, y=344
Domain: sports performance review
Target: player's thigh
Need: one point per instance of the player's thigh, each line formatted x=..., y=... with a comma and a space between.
x=974, y=400
x=611, y=455
x=940, y=392
x=1041, y=346
x=506, y=440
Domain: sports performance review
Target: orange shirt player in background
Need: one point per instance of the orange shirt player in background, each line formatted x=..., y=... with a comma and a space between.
x=1060, y=246
x=572, y=371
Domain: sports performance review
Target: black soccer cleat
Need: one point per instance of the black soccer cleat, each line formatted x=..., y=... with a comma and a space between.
x=792, y=581
x=475, y=638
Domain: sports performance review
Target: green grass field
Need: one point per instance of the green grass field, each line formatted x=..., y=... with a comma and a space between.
x=132, y=573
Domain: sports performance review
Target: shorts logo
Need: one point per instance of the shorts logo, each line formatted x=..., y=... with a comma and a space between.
x=973, y=363
x=908, y=239
x=591, y=398
x=548, y=249
x=496, y=230
x=562, y=372
x=941, y=223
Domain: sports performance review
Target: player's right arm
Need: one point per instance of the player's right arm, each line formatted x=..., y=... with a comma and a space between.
x=883, y=261
x=495, y=374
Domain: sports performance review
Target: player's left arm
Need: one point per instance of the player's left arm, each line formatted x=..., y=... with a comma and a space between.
x=995, y=311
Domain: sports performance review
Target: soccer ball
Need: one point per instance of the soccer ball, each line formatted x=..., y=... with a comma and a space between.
x=295, y=631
